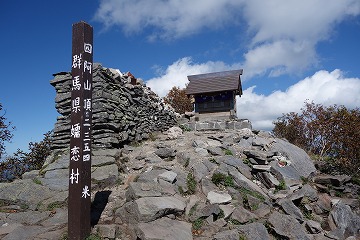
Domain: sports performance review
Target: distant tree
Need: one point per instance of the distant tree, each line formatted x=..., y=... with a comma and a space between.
x=5, y=131
x=20, y=162
x=331, y=133
x=178, y=99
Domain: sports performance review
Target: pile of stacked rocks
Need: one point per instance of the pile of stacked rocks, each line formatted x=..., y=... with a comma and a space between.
x=124, y=110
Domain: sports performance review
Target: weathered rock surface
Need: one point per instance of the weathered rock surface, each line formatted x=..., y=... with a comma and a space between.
x=218, y=197
x=343, y=221
x=142, y=193
x=298, y=163
x=286, y=226
x=254, y=231
x=163, y=229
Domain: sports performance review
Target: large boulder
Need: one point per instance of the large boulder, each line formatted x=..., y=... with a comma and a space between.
x=344, y=222
x=148, y=209
x=299, y=164
x=287, y=226
x=25, y=193
x=164, y=229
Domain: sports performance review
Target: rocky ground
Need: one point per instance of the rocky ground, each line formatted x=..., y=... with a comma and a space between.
x=229, y=184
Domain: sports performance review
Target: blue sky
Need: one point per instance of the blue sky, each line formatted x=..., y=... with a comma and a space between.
x=290, y=51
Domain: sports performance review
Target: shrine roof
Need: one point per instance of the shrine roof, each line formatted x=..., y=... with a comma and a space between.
x=215, y=82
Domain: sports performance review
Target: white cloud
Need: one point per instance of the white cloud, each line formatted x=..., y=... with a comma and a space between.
x=283, y=34
x=176, y=74
x=323, y=87
x=296, y=20
x=170, y=19
x=280, y=57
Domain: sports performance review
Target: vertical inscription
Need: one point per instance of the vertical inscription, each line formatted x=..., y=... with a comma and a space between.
x=79, y=201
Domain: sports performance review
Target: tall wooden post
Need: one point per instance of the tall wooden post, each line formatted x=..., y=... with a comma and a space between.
x=79, y=201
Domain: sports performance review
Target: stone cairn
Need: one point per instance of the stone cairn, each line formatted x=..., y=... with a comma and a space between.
x=124, y=109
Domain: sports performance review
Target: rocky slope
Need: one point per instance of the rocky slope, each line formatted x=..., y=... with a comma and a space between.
x=219, y=184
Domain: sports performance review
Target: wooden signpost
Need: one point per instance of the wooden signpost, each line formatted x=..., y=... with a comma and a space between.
x=79, y=201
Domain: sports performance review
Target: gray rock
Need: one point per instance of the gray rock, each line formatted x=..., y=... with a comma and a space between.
x=183, y=158
x=254, y=231
x=105, y=173
x=261, y=168
x=218, y=197
x=241, y=181
x=305, y=191
x=238, y=164
x=121, y=111
x=351, y=238
x=211, y=164
x=192, y=204
x=227, y=235
x=27, y=218
x=323, y=204
x=227, y=209
x=165, y=152
x=260, y=157
x=245, y=142
x=313, y=227
x=212, y=227
x=253, y=202
x=262, y=210
x=264, y=143
x=7, y=228
x=107, y=152
x=289, y=207
x=30, y=175
x=173, y=132
x=25, y=232
x=268, y=179
x=58, y=197
x=143, y=189
x=99, y=160
x=107, y=231
x=151, y=208
x=209, y=210
x=214, y=142
x=153, y=158
x=164, y=229
x=57, y=179
x=242, y=215
x=287, y=226
x=301, y=164
x=60, y=218
x=202, y=152
x=149, y=176
x=168, y=176
x=207, y=186
x=26, y=192
x=215, y=151
x=344, y=221
x=337, y=180
x=200, y=171
x=61, y=163
x=199, y=144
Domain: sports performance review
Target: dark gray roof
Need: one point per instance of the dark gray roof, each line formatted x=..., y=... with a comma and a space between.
x=215, y=82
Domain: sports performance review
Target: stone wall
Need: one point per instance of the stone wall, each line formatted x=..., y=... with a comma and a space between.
x=122, y=112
